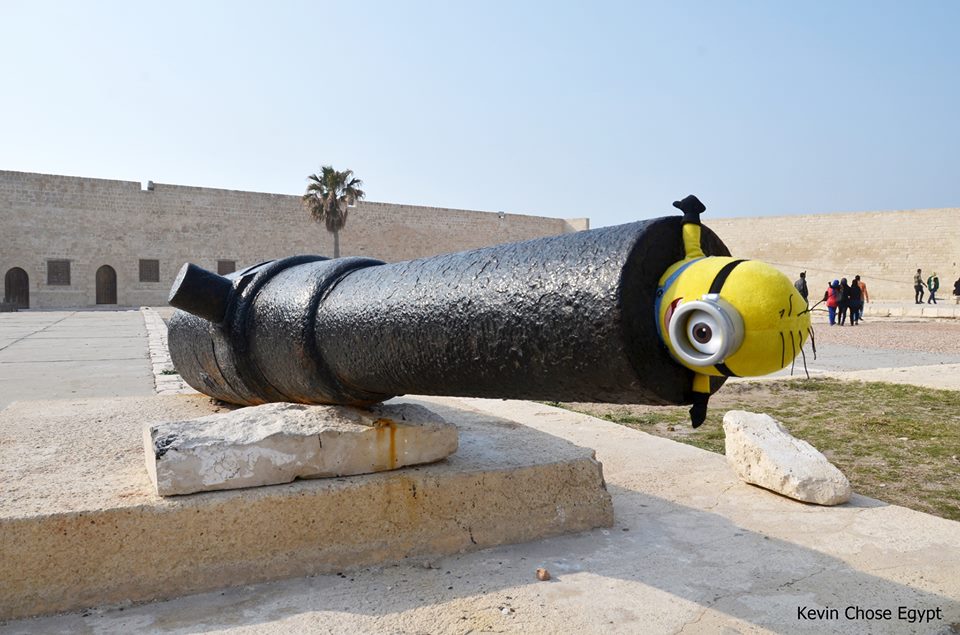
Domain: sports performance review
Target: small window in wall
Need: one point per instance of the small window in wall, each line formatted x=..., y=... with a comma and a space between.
x=58, y=272
x=149, y=270
x=226, y=266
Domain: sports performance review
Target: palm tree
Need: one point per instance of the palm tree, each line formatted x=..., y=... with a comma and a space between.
x=328, y=196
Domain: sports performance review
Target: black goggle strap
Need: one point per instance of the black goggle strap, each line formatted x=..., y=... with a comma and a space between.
x=715, y=287
x=723, y=274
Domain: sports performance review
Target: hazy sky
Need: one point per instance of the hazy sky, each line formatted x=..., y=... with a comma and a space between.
x=602, y=109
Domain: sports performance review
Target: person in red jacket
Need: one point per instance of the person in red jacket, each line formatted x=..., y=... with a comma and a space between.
x=830, y=296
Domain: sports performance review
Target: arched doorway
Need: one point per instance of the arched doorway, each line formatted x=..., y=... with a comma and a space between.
x=106, y=285
x=16, y=288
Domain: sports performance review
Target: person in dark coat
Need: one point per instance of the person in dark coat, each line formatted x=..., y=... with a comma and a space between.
x=843, y=300
x=855, y=301
x=801, y=286
x=918, y=287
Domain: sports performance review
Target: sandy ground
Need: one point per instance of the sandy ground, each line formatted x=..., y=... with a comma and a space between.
x=892, y=334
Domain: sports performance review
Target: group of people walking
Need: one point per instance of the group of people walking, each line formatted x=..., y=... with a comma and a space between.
x=932, y=285
x=843, y=299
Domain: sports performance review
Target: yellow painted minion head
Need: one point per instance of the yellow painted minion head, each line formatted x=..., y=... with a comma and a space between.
x=723, y=316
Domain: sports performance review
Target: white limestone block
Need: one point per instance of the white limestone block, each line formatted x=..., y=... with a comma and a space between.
x=280, y=442
x=762, y=452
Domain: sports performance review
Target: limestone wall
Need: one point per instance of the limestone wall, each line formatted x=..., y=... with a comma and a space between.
x=884, y=248
x=95, y=222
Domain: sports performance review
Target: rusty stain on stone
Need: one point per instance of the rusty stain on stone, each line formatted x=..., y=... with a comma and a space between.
x=382, y=425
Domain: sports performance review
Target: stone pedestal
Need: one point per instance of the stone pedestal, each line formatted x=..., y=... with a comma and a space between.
x=81, y=523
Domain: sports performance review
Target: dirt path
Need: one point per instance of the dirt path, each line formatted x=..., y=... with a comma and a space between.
x=891, y=334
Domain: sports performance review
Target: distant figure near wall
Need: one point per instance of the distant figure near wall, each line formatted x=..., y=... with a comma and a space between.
x=801, y=286
x=830, y=297
x=933, y=285
x=864, y=296
x=918, y=286
x=843, y=300
x=855, y=302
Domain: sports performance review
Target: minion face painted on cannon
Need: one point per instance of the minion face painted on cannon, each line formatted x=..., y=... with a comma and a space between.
x=726, y=317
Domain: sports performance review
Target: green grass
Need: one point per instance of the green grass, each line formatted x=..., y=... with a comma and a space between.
x=894, y=442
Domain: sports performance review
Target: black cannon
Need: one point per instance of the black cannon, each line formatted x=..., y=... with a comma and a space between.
x=566, y=318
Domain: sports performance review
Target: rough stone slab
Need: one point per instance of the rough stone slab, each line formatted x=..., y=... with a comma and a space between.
x=81, y=525
x=764, y=453
x=280, y=442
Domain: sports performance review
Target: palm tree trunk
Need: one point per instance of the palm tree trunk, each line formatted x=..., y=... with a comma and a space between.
x=336, y=243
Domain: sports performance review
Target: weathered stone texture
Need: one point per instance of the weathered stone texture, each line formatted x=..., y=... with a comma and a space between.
x=94, y=222
x=763, y=453
x=280, y=442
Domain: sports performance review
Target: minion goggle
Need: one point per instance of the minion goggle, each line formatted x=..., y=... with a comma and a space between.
x=705, y=332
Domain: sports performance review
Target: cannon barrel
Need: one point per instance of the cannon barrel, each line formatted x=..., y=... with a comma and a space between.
x=563, y=318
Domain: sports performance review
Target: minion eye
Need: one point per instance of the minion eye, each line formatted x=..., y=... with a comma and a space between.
x=702, y=333
x=705, y=332
x=701, y=327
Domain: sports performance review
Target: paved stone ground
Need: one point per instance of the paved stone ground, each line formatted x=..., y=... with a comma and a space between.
x=64, y=354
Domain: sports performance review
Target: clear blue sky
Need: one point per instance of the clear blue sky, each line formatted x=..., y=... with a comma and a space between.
x=602, y=109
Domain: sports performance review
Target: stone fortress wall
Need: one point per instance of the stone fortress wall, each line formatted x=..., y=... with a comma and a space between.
x=884, y=248
x=96, y=222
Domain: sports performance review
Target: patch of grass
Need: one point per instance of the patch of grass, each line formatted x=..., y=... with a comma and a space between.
x=894, y=442
x=635, y=421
